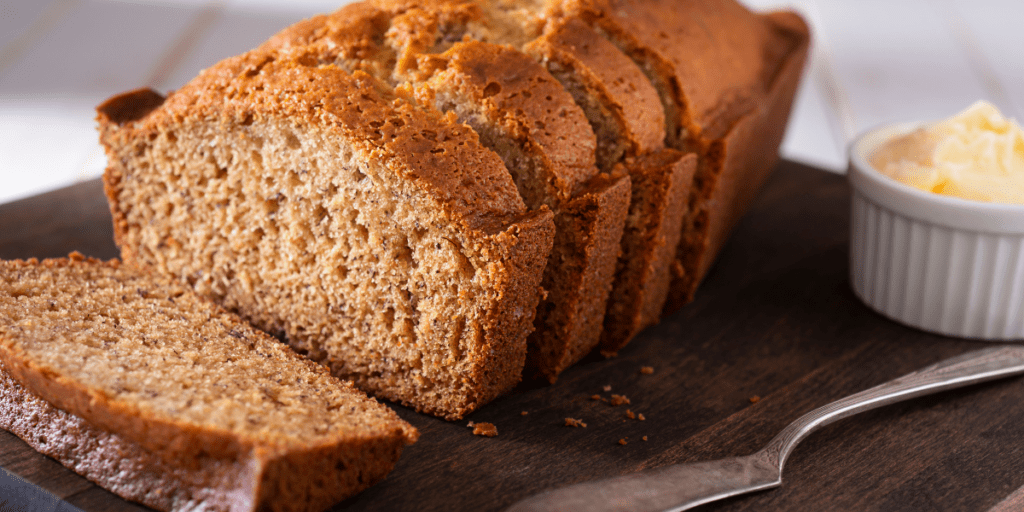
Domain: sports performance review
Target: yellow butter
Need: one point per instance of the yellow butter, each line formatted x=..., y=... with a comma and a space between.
x=977, y=154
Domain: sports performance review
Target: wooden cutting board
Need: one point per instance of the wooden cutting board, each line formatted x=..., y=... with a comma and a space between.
x=774, y=332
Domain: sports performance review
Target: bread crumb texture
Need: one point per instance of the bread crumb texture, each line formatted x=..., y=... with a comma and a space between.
x=617, y=400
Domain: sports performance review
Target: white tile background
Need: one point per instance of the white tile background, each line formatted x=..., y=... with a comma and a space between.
x=874, y=61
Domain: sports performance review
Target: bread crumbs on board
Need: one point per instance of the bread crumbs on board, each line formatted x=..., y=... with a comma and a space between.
x=755, y=399
x=644, y=438
x=485, y=429
x=524, y=413
x=623, y=441
x=607, y=388
x=647, y=370
x=573, y=422
x=619, y=400
x=635, y=416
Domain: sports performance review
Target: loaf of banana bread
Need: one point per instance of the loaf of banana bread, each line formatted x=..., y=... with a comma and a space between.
x=399, y=193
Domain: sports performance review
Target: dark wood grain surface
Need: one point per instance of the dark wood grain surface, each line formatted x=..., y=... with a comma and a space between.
x=775, y=320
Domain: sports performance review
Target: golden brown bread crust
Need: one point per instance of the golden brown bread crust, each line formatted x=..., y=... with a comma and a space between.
x=710, y=51
x=516, y=94
x=440, y=157
x=471, y=184
x=131, y=105
x=620, y=88
x=428, y=150
x=512, y=88
x=717, y=66
x=629, y=119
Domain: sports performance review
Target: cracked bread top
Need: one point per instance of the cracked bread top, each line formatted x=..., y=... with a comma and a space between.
x=398, y=41
x=435, y=152
x=510, y=90
x=722, y=57
x=620, y=101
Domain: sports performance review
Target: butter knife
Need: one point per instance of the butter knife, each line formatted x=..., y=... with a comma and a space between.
x=684, y=486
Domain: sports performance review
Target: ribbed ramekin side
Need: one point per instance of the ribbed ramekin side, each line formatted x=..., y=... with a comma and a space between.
x=940, y=279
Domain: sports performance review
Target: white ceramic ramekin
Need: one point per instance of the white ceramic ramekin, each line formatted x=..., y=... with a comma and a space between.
x=938, y=263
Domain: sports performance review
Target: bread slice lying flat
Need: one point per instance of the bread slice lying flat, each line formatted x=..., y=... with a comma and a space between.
x=166, y=399
x=375, y=236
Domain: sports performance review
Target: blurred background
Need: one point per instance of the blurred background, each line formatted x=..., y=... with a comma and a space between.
x=873, y=62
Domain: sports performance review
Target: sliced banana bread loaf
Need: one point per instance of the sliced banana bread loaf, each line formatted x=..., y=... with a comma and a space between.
x=375, y=236
x=164, y=398
x=521, y=113
x=624, y=111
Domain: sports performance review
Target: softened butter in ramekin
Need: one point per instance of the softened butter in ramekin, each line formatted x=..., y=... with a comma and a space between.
x=977, y=154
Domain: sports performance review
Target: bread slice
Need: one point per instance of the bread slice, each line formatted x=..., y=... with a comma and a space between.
x=726, y=78
x=375, y=236
x=166, y=399
x=626, y=113
x=658, y=207
x=521, y=113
